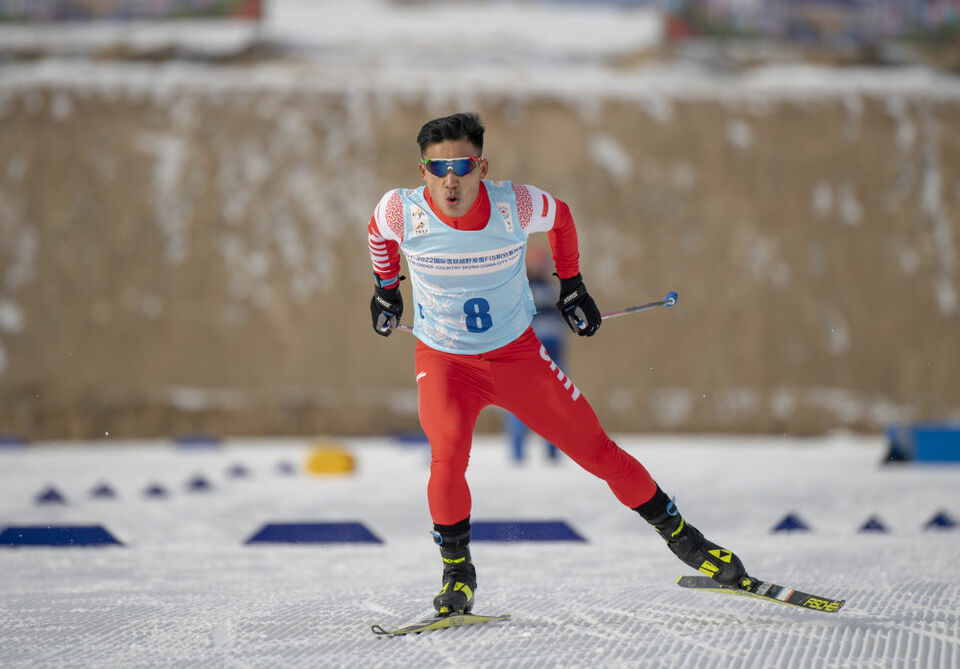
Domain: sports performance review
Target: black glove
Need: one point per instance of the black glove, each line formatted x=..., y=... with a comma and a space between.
x=578, y=308
x=386, y=308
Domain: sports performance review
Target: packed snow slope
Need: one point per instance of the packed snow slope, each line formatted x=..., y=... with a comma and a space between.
x=185, y=589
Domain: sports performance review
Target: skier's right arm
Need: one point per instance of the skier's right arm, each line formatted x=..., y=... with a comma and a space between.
x=384, y=234
x=386, y=308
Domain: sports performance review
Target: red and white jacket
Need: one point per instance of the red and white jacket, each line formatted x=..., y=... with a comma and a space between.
x=539, y=212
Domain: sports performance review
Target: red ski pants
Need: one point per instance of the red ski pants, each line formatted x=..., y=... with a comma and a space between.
x=521, y=378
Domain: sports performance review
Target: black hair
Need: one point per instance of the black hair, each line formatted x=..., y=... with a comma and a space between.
x=458, y=126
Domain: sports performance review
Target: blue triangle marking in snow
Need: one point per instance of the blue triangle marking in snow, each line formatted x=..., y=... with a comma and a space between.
x=874, y=524
x=50, y=496
x=523, y=530
x=941, y=520
x=103, y=491
x=314, y=533
x=238, y=471
x=198, y=484
x=74, y=535
x=155, y=490
x=791, y=523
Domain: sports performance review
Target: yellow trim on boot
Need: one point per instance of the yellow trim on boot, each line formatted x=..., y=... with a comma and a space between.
x=676, y=531
x=466, y=590
x=709, y=569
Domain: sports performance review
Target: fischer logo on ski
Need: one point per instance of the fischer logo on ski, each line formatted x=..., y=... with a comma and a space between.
x=767, y=591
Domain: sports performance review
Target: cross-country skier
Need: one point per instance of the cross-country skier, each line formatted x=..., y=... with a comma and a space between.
x=464, y=239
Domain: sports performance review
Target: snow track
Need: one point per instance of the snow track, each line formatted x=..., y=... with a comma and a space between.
x=184, y=590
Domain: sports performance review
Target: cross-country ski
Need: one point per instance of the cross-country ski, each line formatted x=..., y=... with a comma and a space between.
x=437, y=623
x=766, y=591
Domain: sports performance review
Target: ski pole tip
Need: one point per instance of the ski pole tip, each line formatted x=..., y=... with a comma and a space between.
x=671, y=298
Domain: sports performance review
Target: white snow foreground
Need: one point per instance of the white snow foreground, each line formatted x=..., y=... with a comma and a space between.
x=185, y=590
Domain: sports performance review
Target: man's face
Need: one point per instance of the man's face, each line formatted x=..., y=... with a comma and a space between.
x=453, y=195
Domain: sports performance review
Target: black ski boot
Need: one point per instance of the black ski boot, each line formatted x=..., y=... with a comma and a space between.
x=459, y=574
x=688, y=544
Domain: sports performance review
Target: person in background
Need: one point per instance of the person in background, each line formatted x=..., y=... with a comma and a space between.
x=464, y=238
x=550, y=329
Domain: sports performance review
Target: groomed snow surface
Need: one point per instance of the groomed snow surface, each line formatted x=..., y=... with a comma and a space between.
x=184, y=589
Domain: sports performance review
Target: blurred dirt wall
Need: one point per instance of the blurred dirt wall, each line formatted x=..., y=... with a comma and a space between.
x=178, y=258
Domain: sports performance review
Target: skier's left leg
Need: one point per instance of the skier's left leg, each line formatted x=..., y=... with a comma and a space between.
x=531, y=386
x=542, y=396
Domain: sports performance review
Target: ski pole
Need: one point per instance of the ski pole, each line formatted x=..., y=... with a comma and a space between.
x=669, y=300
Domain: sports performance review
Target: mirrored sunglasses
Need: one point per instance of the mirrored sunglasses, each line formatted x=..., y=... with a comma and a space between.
x=439, y=167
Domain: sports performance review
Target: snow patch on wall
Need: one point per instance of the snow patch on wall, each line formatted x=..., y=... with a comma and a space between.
x=282, y=209
x=851, y=213
x=658, y=107
x=821, y=199
x=61, y=106
x=827, y=199
x=782, y=402
x=610, y=156
x=622, y=399
x=671, y=407
x=173, y=213
x=908, y=258
x=18, y=244
x=762, y=257
x=739, y=134
x=850, y=407
x=933, y=208
x=204, y=399
x=736, y=403
x=242, y=168
x=11, y=317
